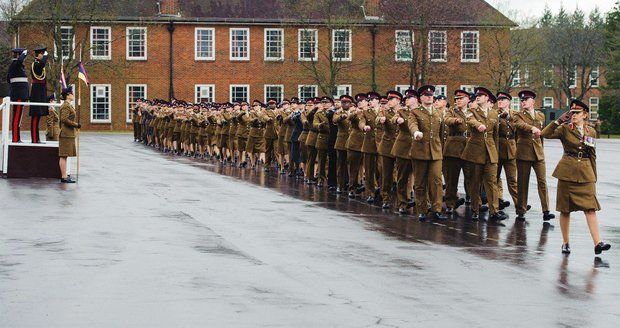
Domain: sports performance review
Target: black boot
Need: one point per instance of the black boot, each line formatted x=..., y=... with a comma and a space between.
x=370, y=200
x=422, y=217
x=475, y=217
x=402, y=211
x=600, y=247
x=521, y=217
x=67, y=180
x=437, y=216
x=459, y=202
x=566, y=249
x=385, y=206
x=351, y=194
x=499, y=216
x=548, y=216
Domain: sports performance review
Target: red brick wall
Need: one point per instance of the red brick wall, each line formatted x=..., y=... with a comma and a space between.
x=256, y=72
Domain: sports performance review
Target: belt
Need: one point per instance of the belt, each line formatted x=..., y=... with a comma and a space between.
x=508, y=137
x=35, y=81
x=464, y=134
x=577, y=154
x=19, y=79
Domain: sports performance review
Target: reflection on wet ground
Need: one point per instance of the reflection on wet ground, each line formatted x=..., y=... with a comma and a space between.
x=149, y=239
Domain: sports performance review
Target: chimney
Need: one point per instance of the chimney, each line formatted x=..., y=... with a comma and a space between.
x=168, y=8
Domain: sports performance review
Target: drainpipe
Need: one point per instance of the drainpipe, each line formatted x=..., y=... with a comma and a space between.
x=171, y=66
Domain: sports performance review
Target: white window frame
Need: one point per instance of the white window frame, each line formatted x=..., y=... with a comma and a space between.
x=72, y=41
x=515, y=103
x=199, y=87
x=516, y=79
x=594, y=107
x=402, y=88
x=474, y=60
x=281, y=86
x=109, y=43
x=443, y=87
x=127, y=34
x=397, y=44
x=548, y=81
x=92, y=88
x=574, y=84
x=230, y=45
x=266, y=57
x=230, y=91
x=301, y=86
x=445, y=50
x=546, y=100
x=341, y=89
x=468, y=87
x=197, y=57
x=316, y=44
x=348, y=44
x=598, y=77
x=127, y=100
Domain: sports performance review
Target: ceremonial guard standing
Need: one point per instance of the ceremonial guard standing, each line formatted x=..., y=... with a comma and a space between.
x=425, y=126
x=530, y=155
x=68, y=127
x=576, y=172
x=18, y=89
x=38, y=92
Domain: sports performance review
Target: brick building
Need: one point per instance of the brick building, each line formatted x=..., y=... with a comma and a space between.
x=221, y=51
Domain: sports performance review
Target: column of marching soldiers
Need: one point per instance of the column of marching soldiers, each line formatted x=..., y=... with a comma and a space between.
x=389, y=149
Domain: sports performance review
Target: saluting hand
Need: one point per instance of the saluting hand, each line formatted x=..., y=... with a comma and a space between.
x=400, y=120
x=565, y=117
x=482, y=128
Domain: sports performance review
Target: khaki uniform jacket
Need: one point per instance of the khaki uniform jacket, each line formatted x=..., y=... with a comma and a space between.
x=312, y=133
x=390, y=129
x=53, y=125
x=457, y=133
x=68, y=124
x=481, y=147
x=256, y=130
x=321, y=124
x=529, y=147
x=343, y=124
x=356, y=136
x=269, y=119
x=507, y=143
x=429, y=147
x=288, y=122
x=368, y=117
x=570, y=168
x=243, y=130
x=402, y=144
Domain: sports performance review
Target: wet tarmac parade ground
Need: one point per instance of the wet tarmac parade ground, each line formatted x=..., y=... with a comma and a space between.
x=147, y=239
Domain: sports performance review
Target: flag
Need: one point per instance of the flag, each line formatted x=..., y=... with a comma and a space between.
x=82, y=73
x=63, y=82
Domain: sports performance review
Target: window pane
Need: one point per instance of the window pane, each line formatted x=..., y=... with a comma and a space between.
x=469, y=46
x=100, y=42
x=437, y=45
x=66, y=41
x=341, y=45
x=404, y=45
x=273, y=44
x=134, y=92
x=239, y=44
x=238, y=93
x=307, y=91
x=307, y=44
x=100, y=96
x=136, y=42
x=204, y=43
x=274, y=91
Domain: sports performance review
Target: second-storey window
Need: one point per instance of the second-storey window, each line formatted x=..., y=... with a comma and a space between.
x=438, y=46
x=470, y=46
x=205, y=43
x=100, y=42
x=67, y=42
x=308, y=40
x=239, y=44
x=136, y=43
x=594, y=74
x=274, y=41
x=341, y=45
x=404, y=45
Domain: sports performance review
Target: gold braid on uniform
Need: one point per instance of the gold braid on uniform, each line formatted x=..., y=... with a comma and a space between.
x=38, y=77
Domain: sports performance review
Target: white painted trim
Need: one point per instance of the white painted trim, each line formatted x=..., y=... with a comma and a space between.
x=477, y=60
x=196, y=30
x=230, y=44
x=445, y=53
x=316, y=44
x=127, y=42
x=230, y=93
x=316, y=90
x=281, y=86
x=127, y=109
x=109, y=56
x=350, y=45
x=90, y=95
x=196, y=86
x=281, y=58
x=412, y=35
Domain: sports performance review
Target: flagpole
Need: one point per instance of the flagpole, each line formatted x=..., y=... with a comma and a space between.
x=79, y=107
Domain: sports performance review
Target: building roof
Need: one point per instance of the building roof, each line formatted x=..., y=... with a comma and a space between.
x=454, y=12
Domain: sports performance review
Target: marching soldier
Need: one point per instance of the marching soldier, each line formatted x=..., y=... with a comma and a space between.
x=343, y=124
x=481, y=151
x=52, y=123
x=507, y=150
x=136, y=115
x=456, y=128
x=530, y=155
x=390, y=129
x=354, y=143
x=576, y=172
x=271, y=137
x=367, y=123
x=38, y=91
x=401, y=150
x=311, y=109
x=18, y=89
x=425, y=126
x=321, y=124
x=256, y=139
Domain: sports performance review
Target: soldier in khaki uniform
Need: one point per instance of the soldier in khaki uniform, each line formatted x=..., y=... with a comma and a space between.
x=401, y=150
x=576, y=172
x=311, y=141
x=425, y=126
x=321, y=125
x=367, y=123
x=268, y=117
x=343, y=125
x=507, y=151
x=530, y=154
x=456, y=130
x=481, y=151
x=354, y=143
x=390, y=129
x=255, y=143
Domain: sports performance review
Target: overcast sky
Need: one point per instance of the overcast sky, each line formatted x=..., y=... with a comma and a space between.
x=534, y=8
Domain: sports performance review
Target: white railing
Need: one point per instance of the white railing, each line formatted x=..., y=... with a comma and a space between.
x=5, y=107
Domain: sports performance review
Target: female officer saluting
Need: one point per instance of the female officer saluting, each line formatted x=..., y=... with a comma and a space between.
x=576, y=172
